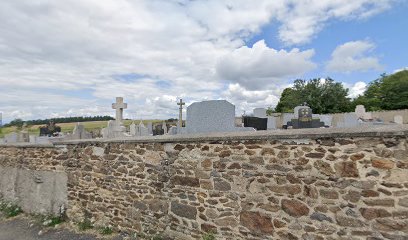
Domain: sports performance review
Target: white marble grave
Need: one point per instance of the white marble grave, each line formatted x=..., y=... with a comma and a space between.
x=138, y=130
x=361, y=113
x=115, y=129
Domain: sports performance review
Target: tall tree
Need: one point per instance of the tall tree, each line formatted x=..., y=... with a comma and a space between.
x=386, y=93
x=322, y=96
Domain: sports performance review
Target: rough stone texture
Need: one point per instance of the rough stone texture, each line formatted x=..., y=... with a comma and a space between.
x=308, y=188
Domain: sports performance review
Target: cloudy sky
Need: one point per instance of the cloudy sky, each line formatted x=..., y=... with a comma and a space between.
x=73, y=57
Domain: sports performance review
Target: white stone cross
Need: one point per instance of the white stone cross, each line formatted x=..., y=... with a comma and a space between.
x=119, y=106
x=181, y=103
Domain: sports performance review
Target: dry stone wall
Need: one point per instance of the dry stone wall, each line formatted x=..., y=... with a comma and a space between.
x=325, y=188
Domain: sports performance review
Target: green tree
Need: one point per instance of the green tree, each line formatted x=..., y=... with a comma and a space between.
x=322, y=96
x=386, y=93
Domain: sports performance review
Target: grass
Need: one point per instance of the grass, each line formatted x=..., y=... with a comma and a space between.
x=48, y=220
x=10, y=209
x=106, y=231
x=85, y=225
x=208, y=236
x=69, y=127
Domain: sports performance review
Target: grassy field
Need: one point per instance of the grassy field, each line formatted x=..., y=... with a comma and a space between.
x=69, y=127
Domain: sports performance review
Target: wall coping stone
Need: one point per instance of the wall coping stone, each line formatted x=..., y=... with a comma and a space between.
x=290, y=134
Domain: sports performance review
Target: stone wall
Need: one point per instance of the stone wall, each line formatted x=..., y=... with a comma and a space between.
x=326, y=187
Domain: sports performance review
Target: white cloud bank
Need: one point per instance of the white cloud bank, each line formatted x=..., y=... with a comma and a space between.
x=52, y=51
x=353, y=56
x=260, y=66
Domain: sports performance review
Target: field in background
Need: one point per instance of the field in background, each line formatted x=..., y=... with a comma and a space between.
x=69, y=127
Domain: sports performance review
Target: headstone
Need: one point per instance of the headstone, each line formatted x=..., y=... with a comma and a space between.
x=119, y=106
x=115, y=129
x=398, y=119
x=271, y=123
x=78, y=133
x=180, y=120
x=304, y=119
x=20, y=137
x=212, y=116
x=164, y=127
x=260, y=112
x=361, y=113
x=173, y=130
x=138, y=130
x=150, y=128
x=256, y=122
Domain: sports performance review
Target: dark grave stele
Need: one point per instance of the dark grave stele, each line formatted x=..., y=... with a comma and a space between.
x=255, y=122
x=50, y=129
x=305, y=120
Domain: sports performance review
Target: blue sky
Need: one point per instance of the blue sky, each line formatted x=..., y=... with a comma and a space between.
x=72, y=58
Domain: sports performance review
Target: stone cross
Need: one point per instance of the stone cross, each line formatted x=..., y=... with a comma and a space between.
x=119, y=106
x=181, y=103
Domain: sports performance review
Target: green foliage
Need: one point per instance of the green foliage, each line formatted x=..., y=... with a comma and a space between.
x=85, y=225
x=50, y=221
x=386, y=93
x=322, y=97
x=209, y=236
x=10, y=209
x=106, y=231
x=269, y=111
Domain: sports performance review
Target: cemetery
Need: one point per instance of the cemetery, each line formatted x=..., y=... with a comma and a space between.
x=203, y=120
x=266, y=177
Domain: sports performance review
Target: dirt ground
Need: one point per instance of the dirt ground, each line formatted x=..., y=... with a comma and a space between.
x=22, y=228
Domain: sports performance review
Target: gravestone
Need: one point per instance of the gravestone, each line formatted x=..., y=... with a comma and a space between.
x=51, y=129
x=164, y=127
x=138, y=130
x=173, y=130
x=115, y=129
x=150, y=128
x=212, y=116
x=180, y=120
x=20, y=137
x=361, y=113
x=256, y=122
x=303, y=118
x=398, y=119
x=79, y=133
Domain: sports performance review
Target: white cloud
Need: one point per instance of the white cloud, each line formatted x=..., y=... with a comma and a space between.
x=302, y=20
x=353, y=56
x=356, y=89
x=260, y=66
x=51, y=51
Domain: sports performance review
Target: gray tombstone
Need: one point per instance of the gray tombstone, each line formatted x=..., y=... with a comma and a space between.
x=361, y=113
x=173, y=130
x=260, y=112
x=138, y=130
x=79, y=133
x=164, y=127
x=150, y=128
x=212, y=116
x=271, y=123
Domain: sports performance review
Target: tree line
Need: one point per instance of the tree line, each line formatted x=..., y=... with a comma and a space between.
x=19, y=122
x=388, y=92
